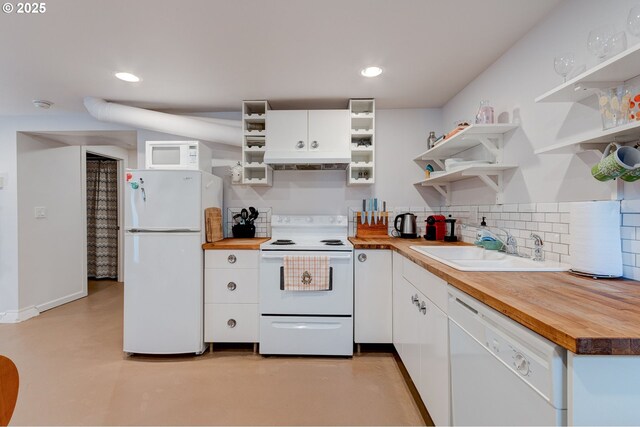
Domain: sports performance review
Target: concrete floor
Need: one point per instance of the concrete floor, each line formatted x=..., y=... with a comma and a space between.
x=73, y=372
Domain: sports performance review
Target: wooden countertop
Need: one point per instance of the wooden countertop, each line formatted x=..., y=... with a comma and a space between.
x=253, y=243
x=583, y=315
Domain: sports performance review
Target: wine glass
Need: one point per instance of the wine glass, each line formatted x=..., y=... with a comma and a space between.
x=563, y=64
x=633, y=21
x=598, y=41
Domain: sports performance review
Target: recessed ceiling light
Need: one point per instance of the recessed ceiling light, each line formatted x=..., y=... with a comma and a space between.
x=128, y=77
x=371, y=71
x=41, y=103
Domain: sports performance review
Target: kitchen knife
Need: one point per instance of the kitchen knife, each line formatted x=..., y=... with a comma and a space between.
x=384, y=210
x=364, y=208
x=375, y=210
x=369, y=213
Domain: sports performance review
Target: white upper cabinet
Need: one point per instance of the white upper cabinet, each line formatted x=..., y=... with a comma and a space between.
x=309, y=130
x=287, y=130
x=329, y=130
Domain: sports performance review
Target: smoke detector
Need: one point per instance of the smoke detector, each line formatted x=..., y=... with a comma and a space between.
x=41, y=103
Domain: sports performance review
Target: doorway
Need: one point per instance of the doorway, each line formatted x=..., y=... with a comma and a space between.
x=102, y=217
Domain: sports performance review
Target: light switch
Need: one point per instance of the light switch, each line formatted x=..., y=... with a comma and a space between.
x=40, y=212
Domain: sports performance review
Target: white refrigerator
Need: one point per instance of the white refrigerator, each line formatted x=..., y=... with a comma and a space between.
x=164, y=232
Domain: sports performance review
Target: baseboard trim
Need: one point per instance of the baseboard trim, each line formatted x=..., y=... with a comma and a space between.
x=60, y=301
x=16, y=316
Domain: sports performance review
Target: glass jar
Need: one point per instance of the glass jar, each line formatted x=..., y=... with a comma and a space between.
x=485, y=113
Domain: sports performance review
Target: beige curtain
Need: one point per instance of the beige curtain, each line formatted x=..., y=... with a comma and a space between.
x=102, y=219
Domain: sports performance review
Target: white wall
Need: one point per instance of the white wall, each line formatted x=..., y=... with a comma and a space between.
x=400, y=136
x=511, y=84
x=50, y=249
x=10, y=303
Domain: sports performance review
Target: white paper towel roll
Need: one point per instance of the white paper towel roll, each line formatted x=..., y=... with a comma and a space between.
x=596, y=247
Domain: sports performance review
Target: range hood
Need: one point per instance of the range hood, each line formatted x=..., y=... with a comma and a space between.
x=307, y=160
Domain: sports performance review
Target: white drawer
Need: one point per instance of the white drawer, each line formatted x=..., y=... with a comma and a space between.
x=240, y=258
x=226, y=285
x=306, y=335
x=429, y=284
x=231, y=323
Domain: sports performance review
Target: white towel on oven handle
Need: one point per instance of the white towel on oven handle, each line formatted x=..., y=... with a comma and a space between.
x=307, y=273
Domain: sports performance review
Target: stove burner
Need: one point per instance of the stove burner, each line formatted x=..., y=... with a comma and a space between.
x=332, y=242
x=283, y=242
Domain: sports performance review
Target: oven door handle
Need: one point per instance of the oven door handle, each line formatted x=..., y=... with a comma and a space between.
x=330, y=280
x=282, y=256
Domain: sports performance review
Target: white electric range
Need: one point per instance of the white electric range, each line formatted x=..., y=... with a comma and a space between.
x=307, y=322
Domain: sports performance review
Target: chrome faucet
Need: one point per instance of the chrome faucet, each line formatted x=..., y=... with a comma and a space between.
x=510, y=244
x=538, y=253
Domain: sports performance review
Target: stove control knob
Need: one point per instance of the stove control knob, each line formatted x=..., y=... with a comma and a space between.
x=287, y=219
x=279, y=219
x=521, y=364
x=332, y=220
x=309, y=219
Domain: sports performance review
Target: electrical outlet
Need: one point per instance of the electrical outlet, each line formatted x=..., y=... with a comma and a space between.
x=40, y=212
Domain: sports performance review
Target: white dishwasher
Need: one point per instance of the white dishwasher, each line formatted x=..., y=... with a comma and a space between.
x=501, y=372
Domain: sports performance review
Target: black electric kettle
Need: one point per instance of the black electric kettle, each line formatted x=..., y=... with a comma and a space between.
x=407, y=228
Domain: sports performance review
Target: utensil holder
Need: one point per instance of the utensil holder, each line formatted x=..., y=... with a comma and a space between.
x=243, y=231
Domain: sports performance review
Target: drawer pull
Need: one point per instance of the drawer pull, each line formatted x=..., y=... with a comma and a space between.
x=231, y=259
x=231, y=323
x=231, y=286
x=423, y=308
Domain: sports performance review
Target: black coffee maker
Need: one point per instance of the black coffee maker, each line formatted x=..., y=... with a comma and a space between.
x=450, y=230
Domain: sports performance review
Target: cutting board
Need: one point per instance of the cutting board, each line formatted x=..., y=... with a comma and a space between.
x=373, y=230
x=213, y=224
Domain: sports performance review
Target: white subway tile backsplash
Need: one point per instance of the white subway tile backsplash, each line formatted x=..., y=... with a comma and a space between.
x=547, y=207
x=510, y=208
x=561, y=228
x=552, y=237
x=552, y=217
x=628, y=233
x=526, y=207
x=552, y=256
x=631, y=220
x=564, y=207
x=527, y=217
x=632, y=246
x=630, y=206
x=537, y=216
x=545, y=226
x=561, y=249
x=565, y=218
x=631, y=272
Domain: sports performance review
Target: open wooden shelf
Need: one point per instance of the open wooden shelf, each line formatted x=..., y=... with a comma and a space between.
x=465, y=173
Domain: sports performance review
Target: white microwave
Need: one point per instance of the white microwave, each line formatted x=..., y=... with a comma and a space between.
x=177, y=155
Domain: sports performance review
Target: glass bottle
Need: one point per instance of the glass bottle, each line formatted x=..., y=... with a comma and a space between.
x=485, y=113
x=431, y=140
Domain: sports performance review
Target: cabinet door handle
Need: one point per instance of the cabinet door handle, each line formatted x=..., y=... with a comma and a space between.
x=231, y=323
x=362, y=257
x=315, y=144
x=231, y=259
x=231, y=286
x=423, y=307
x=300, y=144
x=414, y=299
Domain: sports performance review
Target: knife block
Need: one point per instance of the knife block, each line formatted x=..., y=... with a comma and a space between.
x=373, y=230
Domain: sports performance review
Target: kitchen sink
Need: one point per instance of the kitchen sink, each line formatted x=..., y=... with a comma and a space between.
x=473, y=258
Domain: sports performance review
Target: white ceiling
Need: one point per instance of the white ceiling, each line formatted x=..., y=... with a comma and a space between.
x=208, y=55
